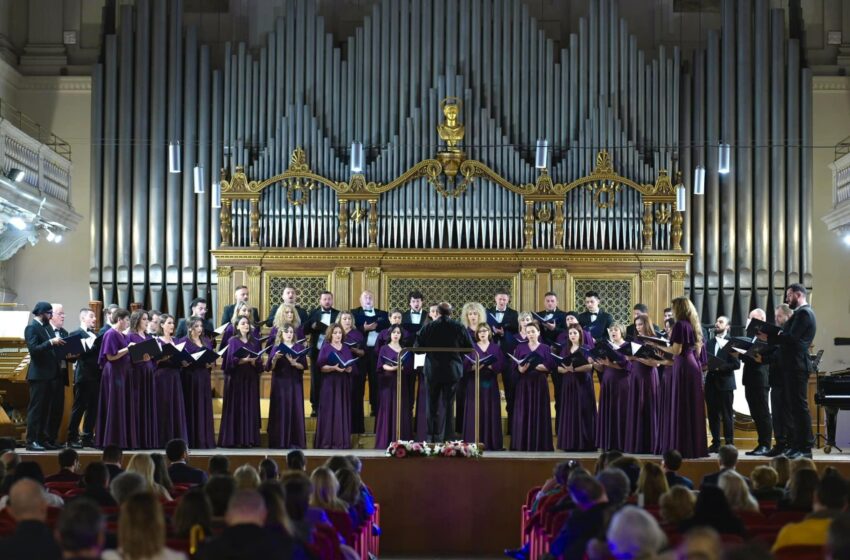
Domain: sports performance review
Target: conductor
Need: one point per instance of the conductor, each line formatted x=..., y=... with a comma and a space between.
x=443, y=370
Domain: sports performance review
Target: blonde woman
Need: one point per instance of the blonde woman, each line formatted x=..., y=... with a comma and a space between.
x=142, y=464
x=246, y=478
x=682, y=418
x=286, y=314
x=676, y=505
x=737, y=493
x=652, y=484
x=241, y=309
x=141, y=531
x=326, y=490
x=471, y=315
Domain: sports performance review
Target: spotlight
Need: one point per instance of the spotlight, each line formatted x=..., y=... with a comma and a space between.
x=50, y=235
x=15, y=174
x=356, y=162
x=199, y=179
x=847, y=238
x=541, y=155
x=18, y=222
x=724, y=156
x=699, y=180
x=58, y=238
x=681, y=198
x=216, y=194
x=174, y=164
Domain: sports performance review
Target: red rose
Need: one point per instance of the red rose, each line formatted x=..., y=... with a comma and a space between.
x=401, y=451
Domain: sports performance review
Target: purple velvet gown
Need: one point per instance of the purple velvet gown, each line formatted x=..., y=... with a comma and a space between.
x=228, y=334
x=170, y=405
x=117, y=413
x=286, y=406
x=143, y=383
x=197, y=395
x=577, y=418
x=387, y=386
x=240, y=409
x=532, y=422
x=613, y=400
x=358, y=383
x=642, y=410
x=490, y=400
x=333, y=428
x=685, y=429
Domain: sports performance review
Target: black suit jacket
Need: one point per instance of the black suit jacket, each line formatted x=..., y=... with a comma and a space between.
x=360, y=318
x=674, y=479
x=248, y=542
x=182, y=330
x=302, y=314
x=31, y=539
x=598, y=328
x=181, y=473
x=755, y=374
x=86, y=368
x=44, y=365
x=409, y=325
x=721, y=379
x=446, y=367
x=114, y=470
x=796, y=337
x=560, y=318
x=315, y=318
x=227, y=314
x=510, y=321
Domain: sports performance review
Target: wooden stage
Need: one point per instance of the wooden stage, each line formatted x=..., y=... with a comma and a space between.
x=449, y=507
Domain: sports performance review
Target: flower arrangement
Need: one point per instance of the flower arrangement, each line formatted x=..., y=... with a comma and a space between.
x=402, y=449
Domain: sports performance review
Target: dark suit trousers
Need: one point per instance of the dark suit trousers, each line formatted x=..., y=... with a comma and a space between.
x=797, y=386
x=84, y=409
x=57, y=407
x=315, y=381
x=39, y=409
x=757, y=398
x=719, y=408
x=371, y=359
x=781, y=417
x=441, y=398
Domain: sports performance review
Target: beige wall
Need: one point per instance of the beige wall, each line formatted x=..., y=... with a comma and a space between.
x=831, y=257
x=50, y=271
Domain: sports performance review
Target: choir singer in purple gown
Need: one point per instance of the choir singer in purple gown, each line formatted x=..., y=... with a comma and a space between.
x=642, y=410
x=613, y=394
x=532, y=423
x=334, y=363
x=117, y=414
x=577, y=418
x=286, y=406
x=490, y=401
x=144, y=385
x=240, y=410
x=197, y=389
x=170, y=407
x=387, y=375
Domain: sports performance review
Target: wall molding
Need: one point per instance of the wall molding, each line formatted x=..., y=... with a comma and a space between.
x=20, y=82
x=830, y=83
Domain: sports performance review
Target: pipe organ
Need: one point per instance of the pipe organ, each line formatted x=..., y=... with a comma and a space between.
x=625, y=128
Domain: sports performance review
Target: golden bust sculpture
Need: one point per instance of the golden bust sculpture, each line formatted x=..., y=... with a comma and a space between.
x=450, y=130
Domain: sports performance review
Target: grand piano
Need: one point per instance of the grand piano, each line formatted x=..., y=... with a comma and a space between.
x=14, y=363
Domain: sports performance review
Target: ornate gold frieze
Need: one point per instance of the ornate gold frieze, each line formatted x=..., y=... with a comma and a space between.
x=679, y=274
x=372, y=271
x=647, y=275
x=559, y=274
x=224, y=271
x=342, y=271
x=254, y=271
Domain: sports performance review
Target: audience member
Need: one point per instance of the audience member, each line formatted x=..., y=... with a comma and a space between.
x=727, y=459
x=7, y=444
x=246, y=477
x=178, y=469
x=605, y=459
x=81, y=529
x=830, y=500
x=712, y=510
x=671, y=462
x=69, y=467
x=112, y=458
x=219, y=465
x=629, y=465
x=652, y=484
x=194, y=509
x=338, y=462
x=160, y=472
x=802, y=463
x=633, y=533
x=838, y=538
x=297, y=491
x=32, y=537
x=269, y=470
x=32, y=471
x=96, y=480
x=616, y=484
x=764, y=481
x=349, y=492
x=676, y=505
x=586, y=522
x=295, y=461
x=219, y=489
x=127, y=484
x=326, y=491
x=141, y=530
x=245, y=535
x=142, y=464
x=800, y=493
x=782, y=465
x=737, y=493
x=702, y=543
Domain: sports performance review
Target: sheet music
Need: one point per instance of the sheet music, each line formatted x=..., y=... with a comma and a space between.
x=372, y=338
x=418, y=360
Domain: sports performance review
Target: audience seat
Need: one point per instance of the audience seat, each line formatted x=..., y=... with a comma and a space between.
x=799, y=553
x=61, y=487
x=342, y=523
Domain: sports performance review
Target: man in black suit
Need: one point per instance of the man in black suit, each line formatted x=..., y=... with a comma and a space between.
x=240, y=294
x=780, y=415
x=370, y=321
x=86, y=383
x=42, y=374
x=595, y=319
x=756, y=380
x=112, y=457
x=32, y=537
x=290, y=296
x=96, y=482
x=198, y=308
x=317, y=323
x=727, y=459
x=180, y=472
x=414, y=318
x=720, y=386
x=506, y=327
x=671, y=462
x=794, y=342
x=443, y=370
x=57, y=388
x=246, y=536
x=553, y=322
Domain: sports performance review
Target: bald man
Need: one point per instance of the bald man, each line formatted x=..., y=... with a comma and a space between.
x=370, y=321
x=32, y=537
x=245, y=535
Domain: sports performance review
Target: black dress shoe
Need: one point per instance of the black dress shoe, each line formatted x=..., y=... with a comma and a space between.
x=759, y=451
x=775, y=451
x=714, y=448
x=793, y=453
x=35, y=446
x=74, y=444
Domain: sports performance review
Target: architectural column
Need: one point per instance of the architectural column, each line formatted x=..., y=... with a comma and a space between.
x=372, y=282
x=341, y=287
x=678, y=288
x=528, y=288
x=648, y=295
x=225, y=286
x=45, y=51
x=255, y=276
x=559, y=285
